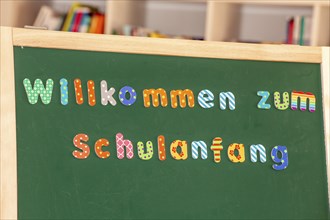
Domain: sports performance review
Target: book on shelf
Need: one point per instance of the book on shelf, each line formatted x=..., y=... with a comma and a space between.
x=79, y=18
x=289, y=35
x=299, y=30
x=130, y=30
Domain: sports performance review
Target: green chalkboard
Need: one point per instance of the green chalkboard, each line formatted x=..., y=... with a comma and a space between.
x=52, y=184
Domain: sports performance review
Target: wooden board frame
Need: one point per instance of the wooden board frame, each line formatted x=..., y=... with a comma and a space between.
x=11, y=37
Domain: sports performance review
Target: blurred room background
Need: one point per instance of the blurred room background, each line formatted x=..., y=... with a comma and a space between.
x=278, y=22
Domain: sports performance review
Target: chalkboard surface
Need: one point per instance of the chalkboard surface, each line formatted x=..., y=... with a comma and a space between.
x=52, y=184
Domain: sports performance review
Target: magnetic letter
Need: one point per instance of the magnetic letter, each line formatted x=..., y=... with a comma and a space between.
x=182, y=95
x=132, y=95
x=91, y=92
x=241, y=153
x=284, y=160
x=157, y=95
x=277, y=100
x=264, y=97
x=64, y=91
x=262, y=153
x=303, y=101
x=217, y=147
x=78, y=91
x=194, y=149
x=205, y=98
x=161, y=147
x=145, y=154
x=121, y=144
x=77, y=142
x=39, y=89
x=223, y=100
x=98, y=148
x=106, y=95
x=183, y=154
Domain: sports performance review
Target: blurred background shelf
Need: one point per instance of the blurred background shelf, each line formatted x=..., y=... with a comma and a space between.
x=264, y=20
x=243, y=21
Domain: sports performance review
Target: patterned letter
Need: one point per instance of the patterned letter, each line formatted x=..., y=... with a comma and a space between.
x=205, y=99
x=183, y=154
x=39, y=89
x=78, y=90
x=194, y=149
x=106, y=95
x=262, y=153
x=145, y=154
x=216, y=147
x=158, y=95
x=121, y=144
x=223, y=103
x=241, y=153
x=132, y=95
x=264, y=97
x=277, y=100
x=64, y=91
x=161, y=147
x=77, y=142
x=182, y=94
x=98, y=148
x=91, y=92
x=284, y=160
x=303, y=101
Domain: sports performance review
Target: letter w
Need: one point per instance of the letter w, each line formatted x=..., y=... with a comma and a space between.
x=39, y=89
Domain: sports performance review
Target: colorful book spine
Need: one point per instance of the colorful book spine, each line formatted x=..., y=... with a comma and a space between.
x=76, y=21
x=296, y=29
x=302, y=30
x=85, y=24
x=100, y=24
x=290, y=28
x=94, y=21
x=69, y=17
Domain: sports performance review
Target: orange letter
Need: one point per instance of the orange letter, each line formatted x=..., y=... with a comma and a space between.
x=161, y=148
x=98, y=148
x=91, y=92
x=157, y=96
x=182, y=98
x=77, y=141
x=78, y=90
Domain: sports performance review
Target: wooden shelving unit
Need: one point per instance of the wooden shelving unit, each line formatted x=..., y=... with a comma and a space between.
x=213, y=20
x=223, y=18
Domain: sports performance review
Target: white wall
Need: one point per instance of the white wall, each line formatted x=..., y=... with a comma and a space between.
x=267, y=23
x=17, y=13
x=176, y=18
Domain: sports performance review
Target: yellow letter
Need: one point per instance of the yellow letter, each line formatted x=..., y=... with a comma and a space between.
x=183, y=155
x=217, y=147
x=241, y=153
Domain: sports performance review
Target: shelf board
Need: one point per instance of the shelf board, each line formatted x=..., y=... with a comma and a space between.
x=280, y=2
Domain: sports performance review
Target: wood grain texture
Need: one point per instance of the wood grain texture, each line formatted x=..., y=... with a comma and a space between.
x=167, y=47
x=8, y=170
x=326, y=106
x=284, y=3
